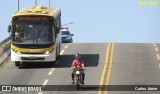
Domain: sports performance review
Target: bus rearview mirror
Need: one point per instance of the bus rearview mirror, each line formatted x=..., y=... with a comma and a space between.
x=9, y=28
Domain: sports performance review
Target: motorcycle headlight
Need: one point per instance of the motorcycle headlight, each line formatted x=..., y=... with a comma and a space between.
x=77, y=72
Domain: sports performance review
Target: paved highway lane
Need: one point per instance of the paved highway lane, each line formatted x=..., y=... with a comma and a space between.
x=135, y=64
x=120, y=64
x=92, y=54
x=157, y=50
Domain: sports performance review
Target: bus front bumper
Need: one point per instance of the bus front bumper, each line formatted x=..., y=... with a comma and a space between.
x=32, y=57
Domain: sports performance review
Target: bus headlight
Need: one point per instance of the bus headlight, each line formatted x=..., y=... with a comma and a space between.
x=47, y=52
x=18, y=52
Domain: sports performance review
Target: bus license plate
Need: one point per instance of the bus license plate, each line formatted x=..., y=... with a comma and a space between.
x=32, y=58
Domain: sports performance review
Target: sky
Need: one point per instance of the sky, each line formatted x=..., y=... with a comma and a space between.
x=98, y=21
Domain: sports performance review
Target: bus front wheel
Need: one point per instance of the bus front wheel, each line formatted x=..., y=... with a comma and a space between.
x=17, y=63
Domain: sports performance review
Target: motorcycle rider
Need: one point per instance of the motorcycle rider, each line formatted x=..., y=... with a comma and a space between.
x=78, y=63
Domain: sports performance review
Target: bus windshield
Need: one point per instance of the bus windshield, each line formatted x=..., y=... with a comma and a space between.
x=29, y=33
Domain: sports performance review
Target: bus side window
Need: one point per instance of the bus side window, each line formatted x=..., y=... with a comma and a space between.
x=55, y=27
x=54, y=34
x=54, y=31
x=57, y=24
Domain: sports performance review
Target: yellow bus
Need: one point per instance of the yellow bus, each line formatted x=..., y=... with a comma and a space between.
x=35, y=35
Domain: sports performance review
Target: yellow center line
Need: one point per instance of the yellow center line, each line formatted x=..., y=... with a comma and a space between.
x=105, y=67
x=109, y=67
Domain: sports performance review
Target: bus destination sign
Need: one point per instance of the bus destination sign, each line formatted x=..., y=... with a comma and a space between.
x=28, y=18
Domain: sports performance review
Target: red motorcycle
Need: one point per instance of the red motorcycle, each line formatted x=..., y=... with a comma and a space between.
x=78, y=77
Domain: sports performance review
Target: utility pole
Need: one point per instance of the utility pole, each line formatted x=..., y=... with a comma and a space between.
x=35, y=2
x=63, y=25
x=68, y=23
x=18, y=5
x=49, y=3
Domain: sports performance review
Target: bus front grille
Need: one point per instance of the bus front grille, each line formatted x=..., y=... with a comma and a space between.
x=32, y=58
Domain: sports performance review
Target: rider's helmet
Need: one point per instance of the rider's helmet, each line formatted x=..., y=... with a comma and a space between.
x=77, y=56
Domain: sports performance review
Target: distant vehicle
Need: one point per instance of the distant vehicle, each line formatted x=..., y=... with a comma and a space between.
x=66, y=35
x=35, y=35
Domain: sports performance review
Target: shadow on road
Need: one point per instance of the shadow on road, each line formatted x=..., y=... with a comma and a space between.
x=65, y=61
x=34, y=65
x=74, y=88
x=88, y=88
x=90, y=60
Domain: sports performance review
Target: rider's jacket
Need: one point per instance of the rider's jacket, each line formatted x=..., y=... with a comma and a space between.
x=78, y=63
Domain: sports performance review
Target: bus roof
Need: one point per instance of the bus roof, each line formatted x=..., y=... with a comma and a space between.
x=38, y=10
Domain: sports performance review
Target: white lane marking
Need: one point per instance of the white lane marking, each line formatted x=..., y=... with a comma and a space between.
x=62, y=52
x=51, y=71
x=156, y=49
x=66, y=46
x=158, y=56
x=154, y=45
x=45, y=82
x=40, y=93
x=159, y=65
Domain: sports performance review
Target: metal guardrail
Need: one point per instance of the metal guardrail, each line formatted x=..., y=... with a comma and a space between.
x=4, y=48
x=4, y=41
x=4, y=45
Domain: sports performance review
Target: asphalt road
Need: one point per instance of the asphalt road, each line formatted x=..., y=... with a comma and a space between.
x=131, y=64
x=135, y=64
x=60, y=74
